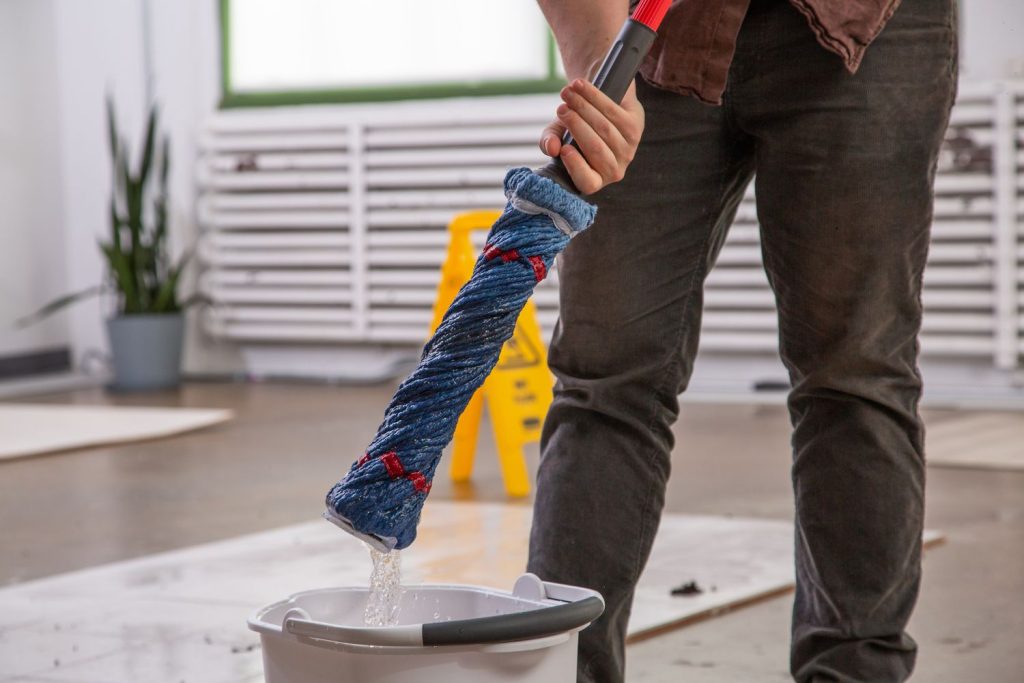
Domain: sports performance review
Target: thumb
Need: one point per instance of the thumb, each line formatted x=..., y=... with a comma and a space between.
x=551, y=138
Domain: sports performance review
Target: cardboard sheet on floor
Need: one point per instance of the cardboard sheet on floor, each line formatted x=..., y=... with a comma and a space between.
x=34, y=429
x=181, y=615
x=977, y=440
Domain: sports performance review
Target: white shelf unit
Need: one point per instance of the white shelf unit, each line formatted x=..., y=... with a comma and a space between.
x=326, y=224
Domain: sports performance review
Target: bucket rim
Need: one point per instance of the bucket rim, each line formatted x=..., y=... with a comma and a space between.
x=256, y=617
x=560, y=610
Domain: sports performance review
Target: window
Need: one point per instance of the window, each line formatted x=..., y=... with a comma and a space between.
x=299, y=51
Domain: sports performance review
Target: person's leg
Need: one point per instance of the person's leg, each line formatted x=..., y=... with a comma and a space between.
x=631, y=295
x=845, y=171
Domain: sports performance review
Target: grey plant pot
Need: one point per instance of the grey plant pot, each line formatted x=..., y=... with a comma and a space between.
x=146, y=351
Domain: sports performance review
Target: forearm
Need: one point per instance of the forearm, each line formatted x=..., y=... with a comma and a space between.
x=583, y=30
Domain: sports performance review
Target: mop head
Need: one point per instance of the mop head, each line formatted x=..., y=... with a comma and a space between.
x=381, y=497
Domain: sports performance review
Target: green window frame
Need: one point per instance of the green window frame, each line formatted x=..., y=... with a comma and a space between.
x=230, y=98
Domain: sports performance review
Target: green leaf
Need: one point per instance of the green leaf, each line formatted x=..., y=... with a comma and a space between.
x=123, y=277
x=160, y=222
x=115, y=224
x=160, y=203
x=112, y=128
x=133, y=203
x=147, y=149
x=57, y=304
x=121, y=179
x=117, y=196
x=136, y=255
x=165, y=301
x=165, y=164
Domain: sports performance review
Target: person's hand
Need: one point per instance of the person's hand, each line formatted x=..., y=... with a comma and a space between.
x=606, y=132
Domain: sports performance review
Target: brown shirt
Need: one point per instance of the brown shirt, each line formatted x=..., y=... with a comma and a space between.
x=697, y=39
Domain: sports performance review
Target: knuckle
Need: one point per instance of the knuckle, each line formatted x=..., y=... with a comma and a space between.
x=632, y=135
x=604, y=128
x=608, y=160
x=613, y=174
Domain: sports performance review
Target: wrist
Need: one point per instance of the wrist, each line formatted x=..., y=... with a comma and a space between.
x=583, y=44
x=583, y=66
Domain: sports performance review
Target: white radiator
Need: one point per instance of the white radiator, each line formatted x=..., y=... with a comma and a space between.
x=326, y=224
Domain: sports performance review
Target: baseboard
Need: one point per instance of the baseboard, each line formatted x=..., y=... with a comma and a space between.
x=50, y=384
x=43, y=362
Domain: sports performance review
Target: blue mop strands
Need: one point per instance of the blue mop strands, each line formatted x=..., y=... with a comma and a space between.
x=382, y=495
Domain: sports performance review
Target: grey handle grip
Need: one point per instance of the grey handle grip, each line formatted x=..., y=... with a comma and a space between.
x=535, y=623
x=617, y=71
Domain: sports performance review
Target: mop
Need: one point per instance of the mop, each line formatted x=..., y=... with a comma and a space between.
x=381, y=497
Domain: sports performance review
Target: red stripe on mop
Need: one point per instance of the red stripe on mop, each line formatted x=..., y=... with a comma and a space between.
x=540, y=271
x=392, y=464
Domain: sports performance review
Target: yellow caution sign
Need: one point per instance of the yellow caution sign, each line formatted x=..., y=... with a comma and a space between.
x=518, y=390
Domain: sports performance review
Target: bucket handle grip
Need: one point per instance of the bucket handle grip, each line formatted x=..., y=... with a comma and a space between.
x=528, y=625
x=536, y=623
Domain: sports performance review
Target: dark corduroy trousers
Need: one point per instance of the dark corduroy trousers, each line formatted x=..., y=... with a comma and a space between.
x=844, y=184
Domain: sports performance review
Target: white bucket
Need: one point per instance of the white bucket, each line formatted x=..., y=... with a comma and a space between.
x=445, y=634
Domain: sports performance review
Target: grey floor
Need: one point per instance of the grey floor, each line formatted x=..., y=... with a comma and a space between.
x=270, y=467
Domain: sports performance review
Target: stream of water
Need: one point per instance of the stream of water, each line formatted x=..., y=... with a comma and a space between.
x=382, y=606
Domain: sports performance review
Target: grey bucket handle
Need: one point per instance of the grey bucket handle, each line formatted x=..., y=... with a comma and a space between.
x=579, y=607
x=536, y=623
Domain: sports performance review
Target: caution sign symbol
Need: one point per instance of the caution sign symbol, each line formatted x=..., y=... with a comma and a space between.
x=520, y=352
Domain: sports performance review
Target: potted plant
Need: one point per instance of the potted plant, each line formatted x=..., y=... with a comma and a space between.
x=146, y=331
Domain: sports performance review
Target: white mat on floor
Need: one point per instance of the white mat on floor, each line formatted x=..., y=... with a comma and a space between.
x=33, y=429
x=181, y=615
x=981, y=440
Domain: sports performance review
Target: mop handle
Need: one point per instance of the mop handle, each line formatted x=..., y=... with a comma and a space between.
x=619, y=68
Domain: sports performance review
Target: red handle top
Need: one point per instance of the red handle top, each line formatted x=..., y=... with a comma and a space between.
x=651, y=12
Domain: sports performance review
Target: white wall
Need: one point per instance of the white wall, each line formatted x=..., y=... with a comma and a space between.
x=100, y=48
x=992, y=39
x=103, y=48
x=185, y=53
x=32, y=252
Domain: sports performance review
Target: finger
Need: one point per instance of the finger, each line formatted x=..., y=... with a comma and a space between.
x=599, y=155
x=600, y=123
x=551, y=138
x=622, y=118
x=587, y=180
